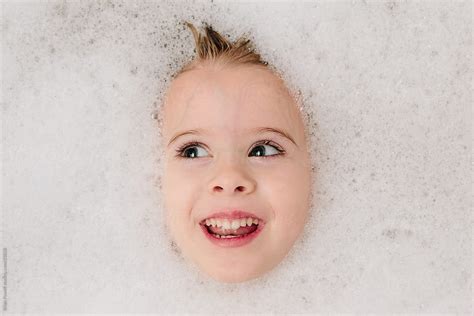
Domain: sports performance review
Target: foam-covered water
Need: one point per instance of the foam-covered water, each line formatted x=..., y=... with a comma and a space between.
x=385, y=92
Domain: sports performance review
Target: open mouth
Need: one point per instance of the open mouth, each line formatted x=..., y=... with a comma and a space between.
x=231, y=233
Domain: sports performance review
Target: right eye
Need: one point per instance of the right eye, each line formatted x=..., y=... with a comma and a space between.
x=189, y=150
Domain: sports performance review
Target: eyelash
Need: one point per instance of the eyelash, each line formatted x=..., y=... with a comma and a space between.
x=180, y=151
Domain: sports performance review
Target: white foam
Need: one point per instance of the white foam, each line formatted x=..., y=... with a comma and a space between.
x=385, y=96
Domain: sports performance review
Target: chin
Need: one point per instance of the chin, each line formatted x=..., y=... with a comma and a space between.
x=231, y=275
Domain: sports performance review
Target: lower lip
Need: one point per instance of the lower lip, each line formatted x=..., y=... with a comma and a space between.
x=233, y=242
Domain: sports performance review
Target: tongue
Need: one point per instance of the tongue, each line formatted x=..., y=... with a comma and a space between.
x=239, y=231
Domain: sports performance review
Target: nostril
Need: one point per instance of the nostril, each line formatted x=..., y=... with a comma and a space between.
x=239, y=189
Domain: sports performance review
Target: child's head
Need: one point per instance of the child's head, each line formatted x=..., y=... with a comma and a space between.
x=235, y=141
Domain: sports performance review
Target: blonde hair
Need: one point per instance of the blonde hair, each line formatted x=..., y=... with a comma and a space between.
x=212, y=46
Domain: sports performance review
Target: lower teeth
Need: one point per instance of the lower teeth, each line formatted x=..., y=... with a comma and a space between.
x=227, y=236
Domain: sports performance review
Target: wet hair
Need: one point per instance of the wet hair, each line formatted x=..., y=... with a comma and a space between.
x=212, y=46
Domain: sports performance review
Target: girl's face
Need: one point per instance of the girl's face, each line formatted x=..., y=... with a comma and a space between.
x=235, y=149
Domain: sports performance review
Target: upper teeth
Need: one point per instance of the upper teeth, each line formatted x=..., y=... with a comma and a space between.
x=234, y=224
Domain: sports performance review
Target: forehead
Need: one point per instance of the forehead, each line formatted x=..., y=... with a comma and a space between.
x=232, y=97
x=241, y=82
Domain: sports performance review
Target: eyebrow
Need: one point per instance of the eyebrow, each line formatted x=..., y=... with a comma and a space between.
x=258, y=130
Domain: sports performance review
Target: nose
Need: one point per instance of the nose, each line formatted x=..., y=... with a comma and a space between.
x=231, y=179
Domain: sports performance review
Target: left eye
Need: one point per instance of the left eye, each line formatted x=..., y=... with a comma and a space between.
x=261, y=150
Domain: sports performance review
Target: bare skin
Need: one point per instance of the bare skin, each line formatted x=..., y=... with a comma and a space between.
x=231, y=168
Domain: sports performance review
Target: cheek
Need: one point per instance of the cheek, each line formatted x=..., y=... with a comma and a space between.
x=288, y=192
x=178, y=191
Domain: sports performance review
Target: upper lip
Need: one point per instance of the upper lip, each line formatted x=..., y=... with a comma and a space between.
x=230, y=215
